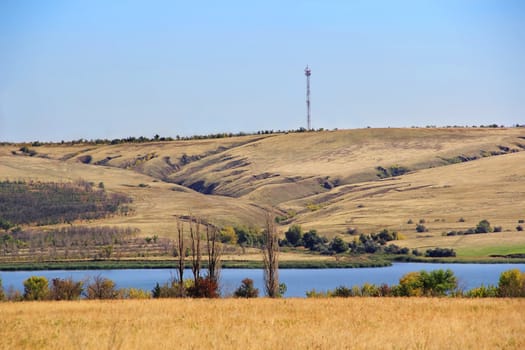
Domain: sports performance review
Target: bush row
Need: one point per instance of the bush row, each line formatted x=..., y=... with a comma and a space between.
x=437, y=283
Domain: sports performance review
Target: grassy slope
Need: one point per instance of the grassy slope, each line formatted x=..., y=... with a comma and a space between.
x=355, y=323
x=289, y=171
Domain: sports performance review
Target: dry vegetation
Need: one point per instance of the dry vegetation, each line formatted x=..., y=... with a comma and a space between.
x=357, y=323
x=323, y=180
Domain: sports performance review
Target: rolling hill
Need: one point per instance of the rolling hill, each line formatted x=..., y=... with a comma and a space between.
x=333, y=181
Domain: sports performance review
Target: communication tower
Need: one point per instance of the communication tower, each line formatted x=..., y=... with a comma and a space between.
x=308, y=72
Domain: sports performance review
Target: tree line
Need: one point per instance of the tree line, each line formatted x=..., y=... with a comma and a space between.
x=49, y=203
x=436, y=283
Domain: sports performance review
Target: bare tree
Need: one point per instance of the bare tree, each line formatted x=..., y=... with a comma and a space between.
x=270, y=250
x=214, y=250
x=180, y=251
x=195, y=249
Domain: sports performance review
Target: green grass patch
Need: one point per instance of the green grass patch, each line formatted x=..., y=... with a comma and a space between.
x=485, y=252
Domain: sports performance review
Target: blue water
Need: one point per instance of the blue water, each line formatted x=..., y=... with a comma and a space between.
x=298, y=281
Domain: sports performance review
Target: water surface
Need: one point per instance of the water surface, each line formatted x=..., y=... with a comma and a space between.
x=298, y=281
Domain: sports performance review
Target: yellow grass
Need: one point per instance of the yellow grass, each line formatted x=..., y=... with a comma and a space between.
x=358, y=323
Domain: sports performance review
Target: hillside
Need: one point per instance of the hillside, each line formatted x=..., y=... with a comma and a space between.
x=364, y=179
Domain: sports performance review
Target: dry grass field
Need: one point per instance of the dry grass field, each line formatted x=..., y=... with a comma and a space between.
x=323, y=180
x=355, y=323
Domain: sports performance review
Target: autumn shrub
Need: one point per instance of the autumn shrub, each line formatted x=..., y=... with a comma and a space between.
x=65, y=289
x=135, y=293
x=204, y=288
x=246, y=289
x=100, y=287
x=489, y=291
x=511, y=284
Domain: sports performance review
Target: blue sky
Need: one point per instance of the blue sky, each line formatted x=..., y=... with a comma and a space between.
x=109, y=69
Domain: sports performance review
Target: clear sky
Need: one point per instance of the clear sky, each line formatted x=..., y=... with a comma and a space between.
x=109, y=69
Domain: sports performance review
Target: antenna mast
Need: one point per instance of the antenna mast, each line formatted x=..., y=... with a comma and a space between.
x=308, y=72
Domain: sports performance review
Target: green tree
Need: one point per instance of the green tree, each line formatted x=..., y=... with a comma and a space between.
x=338, y=245
x=294, y=234
x=483, y=227
x=5, y=224
x=311, y=239
x=36, y=288
x=438, y=282
x=511, y=284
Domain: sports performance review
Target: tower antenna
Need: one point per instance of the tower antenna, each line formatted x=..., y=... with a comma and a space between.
x=308, y=72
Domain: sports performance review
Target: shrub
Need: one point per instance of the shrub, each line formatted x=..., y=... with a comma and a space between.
x=5, y=225
x=2, y=294
x=483, y=227
x=101, y=288
x=135, y=293
x=338, y=245
x=416, y=252
x=352, y=231
x=461, y=220
x=421, y=228
x=521, y=221
x=498, y=228
x=511, y=284
x=36, y=288
x=313, y=241
x=248, y=237
x=315, y=294
x=370, y=290
x=204, y=288
x=342, y=292
x=440, y=252
x=410, y=222
x=246, y=289
x=410, y=285
x=394, y=249
x=482, y=292
x=294, y=234
x=170, y=290
x=519, y=228
x=65, y=289
x=228, y=235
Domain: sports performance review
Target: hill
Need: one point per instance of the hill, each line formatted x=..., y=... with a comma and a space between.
x=333, y=181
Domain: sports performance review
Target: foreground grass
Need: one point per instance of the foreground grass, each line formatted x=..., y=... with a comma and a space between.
x=359, y=323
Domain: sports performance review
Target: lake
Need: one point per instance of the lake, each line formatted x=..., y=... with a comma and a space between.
x=298, y=281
